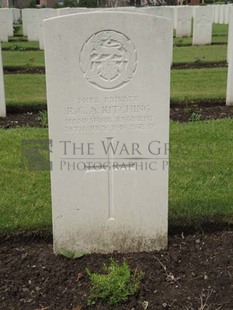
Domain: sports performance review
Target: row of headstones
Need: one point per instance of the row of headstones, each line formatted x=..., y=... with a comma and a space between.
x=220, y=13
x=203, y=17
x=181, y=17
x=7, y=18
x=229, y=99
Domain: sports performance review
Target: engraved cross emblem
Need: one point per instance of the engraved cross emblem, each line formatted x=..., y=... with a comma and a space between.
x=110, y=177
x=110, y=172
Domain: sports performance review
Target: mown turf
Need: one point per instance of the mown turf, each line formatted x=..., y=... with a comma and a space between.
x=198, y=84
x=26, y=59
x=201, y=168
x=25, y=195
x=219, y=30
x=201, y=54
x=25, y=89
x=20, y=46
x=186, y=86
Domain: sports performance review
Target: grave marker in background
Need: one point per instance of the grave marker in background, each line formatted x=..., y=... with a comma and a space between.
x=44, y=14
x=202, y=25
x=16, y=14
x=68, y=11
x=184, y=21
x=2, y=91
x=216, y=13
x=6, y=24
x=230, y=35
x=26, y=13
x=108, y=92
x=221, y=14
x=229, y=96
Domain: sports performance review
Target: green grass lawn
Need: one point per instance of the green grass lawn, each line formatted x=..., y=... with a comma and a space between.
x=187, y=54
x=17, y=39
x=184, y=54
x=18, y=29
x=14, y=57
x=219, y=30
x=25, y=196
x=25, y=89
x=23, y=58
x=186, y=86
x=201, y=168
x=198, y=84
x=191, y=54
x=20, y=46
x=201, y=181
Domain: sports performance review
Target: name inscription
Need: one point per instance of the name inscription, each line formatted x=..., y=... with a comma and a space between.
x=93, y=114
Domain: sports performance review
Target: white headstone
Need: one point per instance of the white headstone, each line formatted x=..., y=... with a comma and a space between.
x=183, y=21
x=41, y=37
x=221, y=13
x=7, y=16
x=3, y=32
x=33, y=31
x=16, y=14
x=202, y=25
x=47, y=13
x=2, y=91
x=230, y=35
x=166, y=12
x=44, y=14
x=68, y=11
x=175, y=15
x=27, y=15
x=6, y=24
x=162, y=13
x=226, y=15
x=108, y=85
x=216, y=13
x=10, y=23
x=36, y=20
x=213, y=6
x=229, y=96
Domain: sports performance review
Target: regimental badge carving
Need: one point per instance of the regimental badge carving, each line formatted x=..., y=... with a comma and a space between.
x=108, y=59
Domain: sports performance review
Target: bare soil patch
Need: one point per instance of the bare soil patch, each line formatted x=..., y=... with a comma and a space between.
x=196, y=270
x=199, y=65
x=178, y=112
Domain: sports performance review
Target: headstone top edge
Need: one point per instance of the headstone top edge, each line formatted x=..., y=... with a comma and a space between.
x=107, y=13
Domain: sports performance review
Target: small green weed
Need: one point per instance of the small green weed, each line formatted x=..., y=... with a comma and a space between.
x=178, y=43
x=116, y=284
x=191, y=111
x=16, y=47
x=195, y=117
x=43, y=118
x=198, y=61
x=30, y=63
